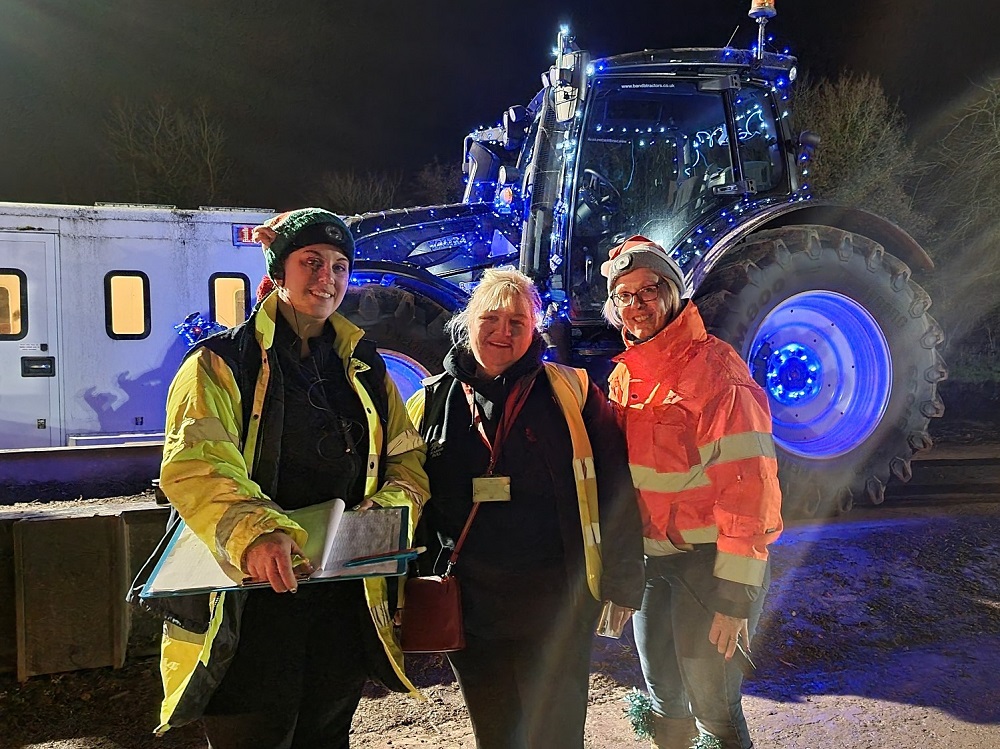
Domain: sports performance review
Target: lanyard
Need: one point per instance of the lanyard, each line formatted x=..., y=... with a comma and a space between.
x=512, y=407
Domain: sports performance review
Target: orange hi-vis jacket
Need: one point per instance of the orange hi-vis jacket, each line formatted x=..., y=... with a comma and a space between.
x=700, y=448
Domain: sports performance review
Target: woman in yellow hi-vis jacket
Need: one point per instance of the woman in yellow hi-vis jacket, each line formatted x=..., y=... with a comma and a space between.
x=557, y=530
x=290, y=409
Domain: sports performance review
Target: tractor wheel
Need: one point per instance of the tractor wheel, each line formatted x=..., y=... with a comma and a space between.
x=839, y=337
x=408, y=329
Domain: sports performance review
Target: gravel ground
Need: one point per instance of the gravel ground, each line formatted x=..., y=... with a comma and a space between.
x=882, y=629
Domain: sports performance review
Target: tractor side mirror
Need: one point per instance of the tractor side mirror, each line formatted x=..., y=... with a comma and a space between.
x=568, y=77
x=808, y=143
x=515, y=126
x=809, y=139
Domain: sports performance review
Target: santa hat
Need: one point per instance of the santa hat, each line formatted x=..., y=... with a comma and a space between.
x=639, y=252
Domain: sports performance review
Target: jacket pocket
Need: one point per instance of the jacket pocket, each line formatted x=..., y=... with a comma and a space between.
x=673, y=440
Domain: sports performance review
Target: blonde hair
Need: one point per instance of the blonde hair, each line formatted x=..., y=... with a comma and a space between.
x=668, y=292
x=497, y=289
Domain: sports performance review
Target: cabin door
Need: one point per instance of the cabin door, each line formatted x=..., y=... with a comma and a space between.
x=29, y=361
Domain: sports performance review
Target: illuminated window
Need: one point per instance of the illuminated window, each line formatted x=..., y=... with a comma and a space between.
x=13, y=304
x=759, y=143
x=228, y=294
x=126, y=304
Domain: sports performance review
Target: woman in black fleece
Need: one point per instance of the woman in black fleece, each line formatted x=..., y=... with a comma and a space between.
x=534, y=568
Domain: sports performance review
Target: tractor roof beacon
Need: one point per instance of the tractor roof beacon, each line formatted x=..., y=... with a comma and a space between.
x=694, y=149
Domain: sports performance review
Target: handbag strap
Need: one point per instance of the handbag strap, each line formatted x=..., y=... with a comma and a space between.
x=515, y=401
x=461, y=539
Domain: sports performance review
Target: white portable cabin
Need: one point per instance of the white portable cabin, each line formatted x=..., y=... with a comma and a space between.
x=89, y=297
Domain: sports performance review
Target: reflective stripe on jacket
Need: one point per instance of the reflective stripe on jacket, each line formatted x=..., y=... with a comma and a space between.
x=206, y=474
x=700, y=447
x=570, y=386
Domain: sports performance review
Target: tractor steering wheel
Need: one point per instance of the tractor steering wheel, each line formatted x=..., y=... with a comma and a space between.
x=598, y=200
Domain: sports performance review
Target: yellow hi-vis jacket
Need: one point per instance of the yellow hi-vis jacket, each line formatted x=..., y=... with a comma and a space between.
x=570, y=386
x=207, y=475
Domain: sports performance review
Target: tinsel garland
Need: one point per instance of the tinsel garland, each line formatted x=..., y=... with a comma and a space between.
x=707, y=741
x=640, y=713
x=195, y=327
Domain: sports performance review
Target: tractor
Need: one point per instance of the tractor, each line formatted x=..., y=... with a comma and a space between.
x=694, y=149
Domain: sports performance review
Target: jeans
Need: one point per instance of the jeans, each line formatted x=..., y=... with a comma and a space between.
x=684, y=672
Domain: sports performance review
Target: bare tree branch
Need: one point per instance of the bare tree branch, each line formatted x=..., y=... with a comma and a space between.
x=167, y=154
x=350, y=192
x=865, y=158
x=437, y=184
x=963, y=196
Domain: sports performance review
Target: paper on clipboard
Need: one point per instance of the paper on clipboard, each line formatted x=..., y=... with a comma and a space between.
x=335, y=537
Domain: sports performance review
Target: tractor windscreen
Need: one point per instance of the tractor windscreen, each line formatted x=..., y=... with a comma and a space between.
x=650, y=155
x=655, y=159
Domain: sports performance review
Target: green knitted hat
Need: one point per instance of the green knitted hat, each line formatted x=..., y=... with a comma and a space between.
x=292, y=230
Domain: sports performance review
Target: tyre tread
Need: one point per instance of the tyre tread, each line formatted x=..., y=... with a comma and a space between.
x=719, y=299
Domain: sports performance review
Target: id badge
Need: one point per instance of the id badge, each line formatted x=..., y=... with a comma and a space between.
x=491, y=489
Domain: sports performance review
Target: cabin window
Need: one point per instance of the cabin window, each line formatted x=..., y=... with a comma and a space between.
x=228, y=294
x=759, y=142
x=13, y=304
x=126, y=304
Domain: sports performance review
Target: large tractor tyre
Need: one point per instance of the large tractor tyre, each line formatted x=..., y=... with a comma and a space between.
x=839, y=337
x=408, y=329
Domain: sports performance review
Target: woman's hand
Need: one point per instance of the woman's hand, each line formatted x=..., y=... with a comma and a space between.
x=725, y=634
x=366, y=504
x=269, y=560
x=613, y=619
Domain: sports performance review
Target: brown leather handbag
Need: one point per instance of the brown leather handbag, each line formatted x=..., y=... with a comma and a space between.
x=431, y=616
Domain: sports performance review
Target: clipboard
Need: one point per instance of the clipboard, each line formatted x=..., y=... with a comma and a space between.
x=336, y=536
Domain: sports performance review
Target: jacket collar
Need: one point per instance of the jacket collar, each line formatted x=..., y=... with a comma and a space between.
x=461, y=364
x=347, y=333
x=669, y=343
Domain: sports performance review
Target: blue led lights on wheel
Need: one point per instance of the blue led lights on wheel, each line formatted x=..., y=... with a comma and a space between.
x=405, y=372
x=825, y=365
x=794, y=373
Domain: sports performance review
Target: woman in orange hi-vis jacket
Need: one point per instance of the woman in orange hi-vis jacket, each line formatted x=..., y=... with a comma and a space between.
x=703, y=461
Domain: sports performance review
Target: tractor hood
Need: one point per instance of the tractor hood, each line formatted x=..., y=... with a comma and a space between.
x=450, y=241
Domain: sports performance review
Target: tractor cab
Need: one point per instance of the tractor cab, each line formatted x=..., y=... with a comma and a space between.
x=654, y=143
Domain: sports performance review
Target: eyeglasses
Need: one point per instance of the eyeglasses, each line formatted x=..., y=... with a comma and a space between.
x=645, y=294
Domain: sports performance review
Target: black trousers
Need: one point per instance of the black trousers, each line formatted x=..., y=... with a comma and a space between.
x=529, y=693
x=296, y=679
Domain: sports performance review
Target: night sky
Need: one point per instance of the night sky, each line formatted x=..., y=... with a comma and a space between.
x=308, y=87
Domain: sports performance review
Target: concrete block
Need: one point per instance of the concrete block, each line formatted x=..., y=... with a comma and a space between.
x=8, y=630
x=143, y=531
x=70, y=579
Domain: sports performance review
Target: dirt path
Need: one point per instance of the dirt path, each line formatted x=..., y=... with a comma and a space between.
x=882, y=629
